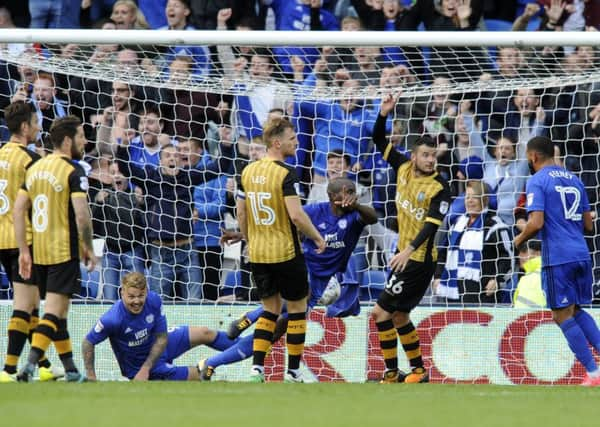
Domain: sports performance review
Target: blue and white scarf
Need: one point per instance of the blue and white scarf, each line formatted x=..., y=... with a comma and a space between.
x=248, y=120
x=464, y=256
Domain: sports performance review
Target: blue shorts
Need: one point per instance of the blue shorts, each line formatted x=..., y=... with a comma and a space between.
x=347, y=304
x=178, y=343
x=568, y=284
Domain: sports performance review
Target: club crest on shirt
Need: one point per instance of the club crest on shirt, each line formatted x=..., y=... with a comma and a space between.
x=444, y=208
x=343, y=223
x=99, y=327
x=150, y=318
x=421, y=196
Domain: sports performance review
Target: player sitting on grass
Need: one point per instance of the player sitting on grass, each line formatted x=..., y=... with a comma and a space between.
x=137, y=329
x=341, y=222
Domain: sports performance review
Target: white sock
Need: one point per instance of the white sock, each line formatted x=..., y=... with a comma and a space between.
x=594, y=374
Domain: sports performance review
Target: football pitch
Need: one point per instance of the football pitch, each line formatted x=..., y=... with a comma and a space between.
x=169, y=404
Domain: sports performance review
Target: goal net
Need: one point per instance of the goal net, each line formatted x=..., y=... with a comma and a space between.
x=174, y=108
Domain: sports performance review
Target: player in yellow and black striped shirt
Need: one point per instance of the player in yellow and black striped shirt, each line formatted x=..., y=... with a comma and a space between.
x=55, y=190
x=15, y=159
x=422, y=200
x=270, y=215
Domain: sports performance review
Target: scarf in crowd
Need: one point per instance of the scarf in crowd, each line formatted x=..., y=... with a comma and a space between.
x=463, y=260
x=248, y=120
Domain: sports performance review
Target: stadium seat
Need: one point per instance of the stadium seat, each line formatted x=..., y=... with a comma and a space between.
x=497, y=25
x=372, y=283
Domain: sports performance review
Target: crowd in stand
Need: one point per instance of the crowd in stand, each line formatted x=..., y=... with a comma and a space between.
x=163, y=156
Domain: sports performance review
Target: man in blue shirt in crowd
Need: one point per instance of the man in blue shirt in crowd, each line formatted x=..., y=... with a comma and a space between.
x=143, y=346
x=559, y=211
x=169, y=191
x=340, y=221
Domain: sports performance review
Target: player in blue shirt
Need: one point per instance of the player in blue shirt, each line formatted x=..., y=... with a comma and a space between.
x=559, y=211
x=137, y=329
x=340, y=221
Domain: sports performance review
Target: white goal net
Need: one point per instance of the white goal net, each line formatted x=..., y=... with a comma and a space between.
x=179, y=104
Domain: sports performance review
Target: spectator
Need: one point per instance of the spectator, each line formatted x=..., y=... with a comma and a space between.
x=204, y=12
x=54, y=13
x=257, y=97
x=154, y=12
x=475, y=259
x=524, y=120
x=300, y=15
x=177, y=12
x=506, y=178
x=529, y=292
x=186, y=112
x=119, y=217
x=169, y=197
x=118, y=122
x=210, y=206
x=47, y=106
x=127, y=16
x=345, y=124
x=144, y=149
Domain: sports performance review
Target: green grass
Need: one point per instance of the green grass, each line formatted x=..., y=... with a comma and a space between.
x=168, y=404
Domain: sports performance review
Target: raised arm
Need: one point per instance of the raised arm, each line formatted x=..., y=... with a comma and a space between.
x=214, y=169
x=390, y=155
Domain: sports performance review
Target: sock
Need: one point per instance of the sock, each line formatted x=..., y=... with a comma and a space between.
x=589, y=327
x=18, y=331
x=255, y=314
x=241, y=350
x=42, y=337
x=62, y=343
x=33, y=322
x=263, y=335
x=578, y=344
x=388, y=341
x=222, y=342
x=409, y=338
x=295, y=337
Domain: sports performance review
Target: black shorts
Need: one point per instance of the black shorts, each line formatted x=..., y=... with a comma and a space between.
x=63, y=278
x=10, y=261
x=289, y=278
x=404, y=290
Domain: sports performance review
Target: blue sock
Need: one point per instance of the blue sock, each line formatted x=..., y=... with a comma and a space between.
x=255, y=314
x=222, y=341
x=589, y=327
x=240, y=351
x=578, y=344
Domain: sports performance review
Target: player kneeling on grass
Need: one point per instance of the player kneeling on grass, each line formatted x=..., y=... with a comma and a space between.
x=137, y=329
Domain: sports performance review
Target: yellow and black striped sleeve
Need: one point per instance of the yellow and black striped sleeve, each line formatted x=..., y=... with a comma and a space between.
x=78, y=182
x=290, y=184
x=440, y=203
x=388, y=152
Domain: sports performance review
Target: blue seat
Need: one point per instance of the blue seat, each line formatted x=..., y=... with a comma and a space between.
x=497, y=25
